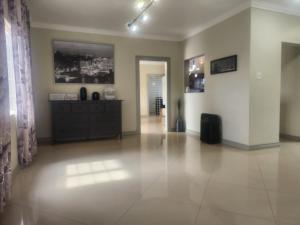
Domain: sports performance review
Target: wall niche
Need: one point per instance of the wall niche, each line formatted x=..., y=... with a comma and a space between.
x=194, y=74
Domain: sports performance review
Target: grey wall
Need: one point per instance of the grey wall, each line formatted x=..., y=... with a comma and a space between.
x=126, y=50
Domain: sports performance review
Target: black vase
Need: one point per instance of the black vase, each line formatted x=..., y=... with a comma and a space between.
x=96, y=96
x=83, y=94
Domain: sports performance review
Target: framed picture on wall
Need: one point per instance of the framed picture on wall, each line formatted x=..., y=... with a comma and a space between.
x=194, y=74
x=223, y=65
x=83, y=63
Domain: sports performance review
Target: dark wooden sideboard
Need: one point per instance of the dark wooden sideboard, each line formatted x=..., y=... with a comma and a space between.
x=86, y=120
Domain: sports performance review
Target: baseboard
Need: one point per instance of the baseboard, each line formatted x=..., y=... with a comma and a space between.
x=238, y=145
x=129, y=133
x=48, y=140
x=249, y=147
x=224, y=142
x=173, y=129
x=290, y=137
x=44, y=141
x=192, y=132
x=263, y=146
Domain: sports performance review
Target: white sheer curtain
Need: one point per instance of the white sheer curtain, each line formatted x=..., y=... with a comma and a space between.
x=20, y=33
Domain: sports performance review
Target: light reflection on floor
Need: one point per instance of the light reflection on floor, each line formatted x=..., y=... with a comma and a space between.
x=90, y=173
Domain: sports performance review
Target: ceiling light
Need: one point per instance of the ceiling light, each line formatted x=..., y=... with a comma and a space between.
x=133, y=28
x=145, y=17
x=144, y=6
x=140, y=5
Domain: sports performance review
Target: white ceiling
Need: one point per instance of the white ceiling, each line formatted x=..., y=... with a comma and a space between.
x=170, y=19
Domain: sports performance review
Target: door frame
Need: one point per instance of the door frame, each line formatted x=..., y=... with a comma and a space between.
x=167, y=60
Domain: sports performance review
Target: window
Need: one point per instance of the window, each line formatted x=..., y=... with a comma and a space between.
x=10, y=65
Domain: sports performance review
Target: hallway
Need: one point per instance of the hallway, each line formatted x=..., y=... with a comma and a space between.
x=152, y=125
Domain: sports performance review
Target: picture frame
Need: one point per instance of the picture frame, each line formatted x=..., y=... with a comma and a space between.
x=224, y=65
x=83, y=63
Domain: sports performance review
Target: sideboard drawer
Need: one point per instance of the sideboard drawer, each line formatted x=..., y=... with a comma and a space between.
x=97, y=108
x=104, y=129
x=76, y=120
x=80, y=108
x=113, y=107
x=71, y=133
x=60, y=107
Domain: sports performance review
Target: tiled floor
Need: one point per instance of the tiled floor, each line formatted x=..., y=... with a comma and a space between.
x=152, y=125
x=157, y=179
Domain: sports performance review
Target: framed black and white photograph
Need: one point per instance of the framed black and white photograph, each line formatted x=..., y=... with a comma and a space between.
x=83, y=63
x=224, y=65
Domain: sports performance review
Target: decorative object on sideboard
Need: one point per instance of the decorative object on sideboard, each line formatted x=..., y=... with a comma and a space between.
x=83, y=94
x=96, y=96
x=63, y=97
x=223, y=65
x=109, y=93
x=76, y=62
x=57, y=97
x=194, y=74
x=71, y=97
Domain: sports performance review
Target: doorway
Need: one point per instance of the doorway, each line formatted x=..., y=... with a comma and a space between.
x=290, y=92
x=153, y=94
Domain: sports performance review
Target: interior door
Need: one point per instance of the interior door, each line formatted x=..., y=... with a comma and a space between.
x=154, y=91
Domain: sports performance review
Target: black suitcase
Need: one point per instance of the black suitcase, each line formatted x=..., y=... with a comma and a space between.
x=211, y=129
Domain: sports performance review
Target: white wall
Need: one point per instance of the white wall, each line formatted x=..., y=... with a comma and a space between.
x=290, y=91
x=126, y=50
x=268, y=31
x=145, y=71
x=248, y=101
x=226, y=94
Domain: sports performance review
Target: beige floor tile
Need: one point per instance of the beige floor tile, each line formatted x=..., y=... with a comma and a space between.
x=286, y=207
x=247, y=177
x=21, y=215
x=280, y=223
x=280, y=170
x=160, y=211
x=179, y=187
x=238, y=199
x=156, y=179
x=283, y=181
x=214, y=216
x=94, y=203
